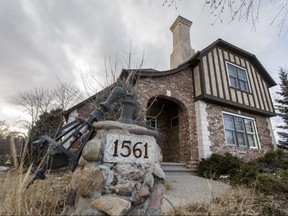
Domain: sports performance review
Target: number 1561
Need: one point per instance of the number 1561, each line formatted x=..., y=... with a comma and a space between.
x=135, y=149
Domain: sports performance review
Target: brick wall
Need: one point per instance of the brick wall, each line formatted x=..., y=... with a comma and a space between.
x=217, y=133
x=184, y=148
x=179, y=89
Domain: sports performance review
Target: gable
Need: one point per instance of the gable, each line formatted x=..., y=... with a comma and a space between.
x=214, y=74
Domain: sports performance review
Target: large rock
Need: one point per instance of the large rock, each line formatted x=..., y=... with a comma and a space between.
x=112, y=205
x=91, y=151
x=128, y=171
x=89, y=182
x=123, y=189
x=156, y=197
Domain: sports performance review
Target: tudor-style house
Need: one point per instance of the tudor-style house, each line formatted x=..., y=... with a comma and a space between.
x=215, y=100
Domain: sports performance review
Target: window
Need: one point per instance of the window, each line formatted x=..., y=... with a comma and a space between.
x=237, y=77
x=151, y=121
x=240, y=131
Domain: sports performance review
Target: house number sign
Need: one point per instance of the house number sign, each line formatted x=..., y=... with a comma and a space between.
x=133, y=148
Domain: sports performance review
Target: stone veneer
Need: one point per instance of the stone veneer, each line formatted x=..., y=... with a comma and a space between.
x=131, y=186
x=203, y=134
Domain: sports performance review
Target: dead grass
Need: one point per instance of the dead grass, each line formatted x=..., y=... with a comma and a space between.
x=42, y=198
x=48, y=198
x=238, y=201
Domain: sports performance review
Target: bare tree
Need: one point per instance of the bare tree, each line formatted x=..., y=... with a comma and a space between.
x=244, y=10
x=66, y=95
x=34, y=102
x=100, y=85
x=37, y=101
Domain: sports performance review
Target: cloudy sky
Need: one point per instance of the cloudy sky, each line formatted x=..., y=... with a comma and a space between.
x=42, y=41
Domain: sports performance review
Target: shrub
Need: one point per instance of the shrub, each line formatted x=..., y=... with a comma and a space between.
x=218, y=165
x=272, y=161
x=272, y=183
x=246, y=174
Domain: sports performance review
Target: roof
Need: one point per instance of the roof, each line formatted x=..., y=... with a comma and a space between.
x=196, y=58
x=192, y=61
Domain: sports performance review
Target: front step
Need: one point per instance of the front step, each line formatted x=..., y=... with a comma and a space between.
x=168, y=167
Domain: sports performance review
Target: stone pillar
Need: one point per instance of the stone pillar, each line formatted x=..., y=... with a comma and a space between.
x=119, y=173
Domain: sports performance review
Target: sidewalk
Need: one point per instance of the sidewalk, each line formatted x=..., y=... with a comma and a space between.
x=185, y=188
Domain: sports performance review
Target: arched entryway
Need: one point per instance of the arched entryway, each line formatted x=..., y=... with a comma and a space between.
x=164, y=114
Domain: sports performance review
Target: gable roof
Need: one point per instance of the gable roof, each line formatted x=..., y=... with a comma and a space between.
x=196, y=58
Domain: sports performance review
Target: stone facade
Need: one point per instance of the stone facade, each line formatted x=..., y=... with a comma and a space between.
x=114, y=178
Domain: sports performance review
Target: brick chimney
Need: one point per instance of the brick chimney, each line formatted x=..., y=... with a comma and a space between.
x=182, y=50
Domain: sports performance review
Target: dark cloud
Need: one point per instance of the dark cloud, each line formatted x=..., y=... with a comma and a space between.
x=41, y=41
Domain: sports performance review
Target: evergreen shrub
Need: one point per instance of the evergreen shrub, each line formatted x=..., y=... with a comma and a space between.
x=217, y=165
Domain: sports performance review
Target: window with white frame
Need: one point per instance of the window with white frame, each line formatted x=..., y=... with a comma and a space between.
x=237, y=77
x=240, y=131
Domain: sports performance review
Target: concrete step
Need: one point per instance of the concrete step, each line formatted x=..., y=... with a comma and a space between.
x=176, y=167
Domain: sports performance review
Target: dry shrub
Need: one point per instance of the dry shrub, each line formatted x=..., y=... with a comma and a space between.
x=42, y=198
x=238, y=201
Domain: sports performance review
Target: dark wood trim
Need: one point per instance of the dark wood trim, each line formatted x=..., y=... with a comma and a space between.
x=260, y=91
x=215, y=72
x=209, y=74
x=202, y=78
x=271, y=100
x=236, y=95
x=263, y=93
x=255, y=85
x=242, y=92
x=227, y=74
x=252, y=58
x=193, y=80
x=227, y=103
x=221, y=71
x=250, y=77
x=266, y=92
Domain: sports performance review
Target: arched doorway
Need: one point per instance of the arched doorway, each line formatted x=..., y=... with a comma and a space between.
x=163, y=115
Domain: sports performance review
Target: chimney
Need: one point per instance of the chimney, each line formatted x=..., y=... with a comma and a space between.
x=182, y=50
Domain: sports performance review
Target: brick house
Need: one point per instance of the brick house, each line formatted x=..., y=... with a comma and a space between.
x=215, y=100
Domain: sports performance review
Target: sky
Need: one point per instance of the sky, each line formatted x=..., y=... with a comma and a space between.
x=42, y=42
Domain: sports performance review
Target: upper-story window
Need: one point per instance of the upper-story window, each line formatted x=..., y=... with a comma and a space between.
x=240, y=131
x=237, y=77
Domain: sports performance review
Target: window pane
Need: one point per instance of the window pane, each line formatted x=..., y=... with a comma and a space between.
x=249, y=126
x=251, y=140
x=237, y=77
x=233, y=82
x=240, y=131
x=241, y=74
x=243, y=85
x=228, y=122
x=230, y=137
x=239, y=124
x=232, y=70
x=241, y=139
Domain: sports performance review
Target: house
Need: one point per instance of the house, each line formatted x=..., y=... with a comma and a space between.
x=215, y=100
